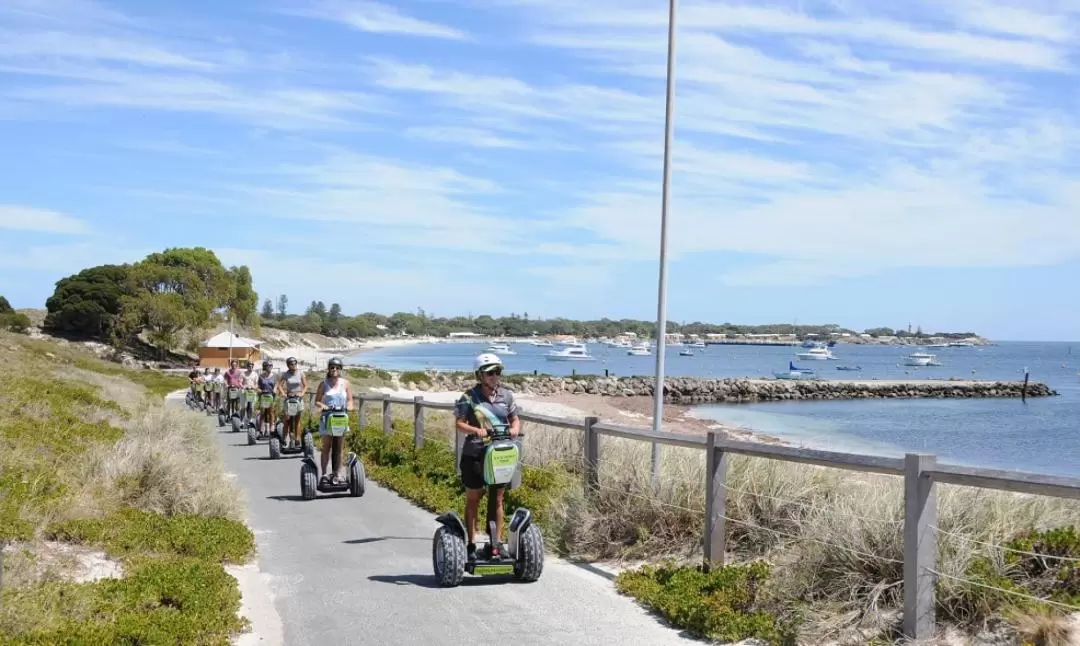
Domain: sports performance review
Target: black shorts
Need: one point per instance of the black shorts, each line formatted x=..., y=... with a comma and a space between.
x=472, y=471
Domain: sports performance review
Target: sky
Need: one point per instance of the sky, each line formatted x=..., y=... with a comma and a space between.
x=862, y=163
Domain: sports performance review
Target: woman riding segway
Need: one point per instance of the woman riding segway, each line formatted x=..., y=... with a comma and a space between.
x=498, y=401
x=334, y=394
x=265, y=387
x=291, y=387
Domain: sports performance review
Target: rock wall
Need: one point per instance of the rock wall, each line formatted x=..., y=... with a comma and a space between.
x=694, y=390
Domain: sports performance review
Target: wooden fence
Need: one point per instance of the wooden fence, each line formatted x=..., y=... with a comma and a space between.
x=920, y=471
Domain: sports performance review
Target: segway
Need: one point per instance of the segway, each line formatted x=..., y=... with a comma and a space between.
x=337, y=420
x=523, y=557
x=254, y=432
x=293, y=406
x=241, y=418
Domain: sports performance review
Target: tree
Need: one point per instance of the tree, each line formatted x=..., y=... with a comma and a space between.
x=176, y=291
x=243, y=302
x=5, y=306
x=87, y=304
x=335, y=313
x=268, y=309
x=282, y=306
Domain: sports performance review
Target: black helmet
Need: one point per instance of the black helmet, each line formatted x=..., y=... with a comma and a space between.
x=290, y=361
x=267, y=365
x=335, y=363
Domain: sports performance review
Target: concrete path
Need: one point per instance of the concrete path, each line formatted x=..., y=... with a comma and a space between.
x=348, y=570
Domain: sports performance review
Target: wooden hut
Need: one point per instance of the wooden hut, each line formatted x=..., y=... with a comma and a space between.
x=215, y=351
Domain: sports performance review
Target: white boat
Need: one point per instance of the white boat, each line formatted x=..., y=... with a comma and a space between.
x=687, y=352
x=541, y=343
x=570, y=353
x=921, y=359
x=499, y=348
x=696, y=344
x=816, y=354
x=794, y=372
x=640, y=350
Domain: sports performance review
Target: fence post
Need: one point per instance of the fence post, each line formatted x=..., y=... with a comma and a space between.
x=716, y=466
x=655, y=475
x=592, y=455
x=361, y=412
x=920, y=545
x=418, y=421
x=387, y=427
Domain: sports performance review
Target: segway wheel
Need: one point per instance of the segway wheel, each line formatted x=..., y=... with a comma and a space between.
x=275, y=448
x=235, y=424
x=356, y=479
x=309, y=445
x=279, y=427
x=307, y=481
x=251, y=435
x=221, y=420
x=448, y=557
x=531, y=560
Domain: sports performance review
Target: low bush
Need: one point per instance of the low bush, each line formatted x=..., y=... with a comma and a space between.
x=132, y=532
x=723, y=603
x=89, y=457
x=170, y=600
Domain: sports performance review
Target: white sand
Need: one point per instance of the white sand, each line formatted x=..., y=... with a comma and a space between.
x=527, y=403
x=310, y=355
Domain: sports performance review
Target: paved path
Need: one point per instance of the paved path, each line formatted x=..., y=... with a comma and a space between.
x=348, y=570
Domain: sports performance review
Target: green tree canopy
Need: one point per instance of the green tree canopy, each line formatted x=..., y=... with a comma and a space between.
x=87, y=304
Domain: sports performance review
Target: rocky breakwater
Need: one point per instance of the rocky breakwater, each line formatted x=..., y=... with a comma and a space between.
x=696, y=390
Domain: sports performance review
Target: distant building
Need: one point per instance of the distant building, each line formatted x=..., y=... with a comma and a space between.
x=215, y=351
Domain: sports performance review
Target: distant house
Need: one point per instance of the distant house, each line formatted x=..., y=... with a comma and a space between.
x=215, y=351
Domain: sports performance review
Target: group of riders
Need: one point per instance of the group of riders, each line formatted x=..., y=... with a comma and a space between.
x=238, y=391
x=335, y=393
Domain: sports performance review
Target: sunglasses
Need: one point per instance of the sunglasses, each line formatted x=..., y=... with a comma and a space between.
x=493, y=371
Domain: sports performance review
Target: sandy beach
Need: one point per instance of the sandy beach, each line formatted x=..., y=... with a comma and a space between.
x=310, y=355
x=623, y=411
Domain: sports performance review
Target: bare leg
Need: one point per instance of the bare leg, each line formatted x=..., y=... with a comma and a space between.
x=338, y=453
x=472, y=506
x=324, y=453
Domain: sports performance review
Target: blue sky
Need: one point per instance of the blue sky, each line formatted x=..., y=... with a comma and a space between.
x=861, y=163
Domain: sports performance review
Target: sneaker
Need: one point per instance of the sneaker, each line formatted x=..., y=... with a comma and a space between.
x=470, y=551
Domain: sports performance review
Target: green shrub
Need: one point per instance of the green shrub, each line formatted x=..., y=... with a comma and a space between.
x=720, y=604
x=1044, y=564
x=171, y=600
x=131, y=532
x=415, y=376
x=15, y=322
x=48, y=424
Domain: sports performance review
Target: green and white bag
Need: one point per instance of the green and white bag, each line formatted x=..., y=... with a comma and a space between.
x=266, y=400
x=337, y=423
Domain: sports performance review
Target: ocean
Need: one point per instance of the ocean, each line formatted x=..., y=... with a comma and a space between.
x=1041, y=435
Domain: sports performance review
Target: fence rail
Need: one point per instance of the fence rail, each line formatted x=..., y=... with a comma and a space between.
x=920, y=471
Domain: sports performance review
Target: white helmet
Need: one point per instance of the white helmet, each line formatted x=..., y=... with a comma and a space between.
x=485, y=360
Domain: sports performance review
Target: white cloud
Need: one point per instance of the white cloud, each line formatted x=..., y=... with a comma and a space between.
x=25, y=218
x=376, y=17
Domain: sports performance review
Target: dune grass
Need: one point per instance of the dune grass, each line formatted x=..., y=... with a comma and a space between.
x=832, y=539
x=91, y=461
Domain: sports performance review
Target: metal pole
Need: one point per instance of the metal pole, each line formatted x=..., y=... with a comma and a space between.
x=661, y=306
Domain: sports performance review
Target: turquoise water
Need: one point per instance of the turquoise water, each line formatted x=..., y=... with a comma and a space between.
x=1041, y=435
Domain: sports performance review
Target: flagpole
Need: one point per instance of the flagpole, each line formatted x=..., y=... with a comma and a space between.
x=661, y=305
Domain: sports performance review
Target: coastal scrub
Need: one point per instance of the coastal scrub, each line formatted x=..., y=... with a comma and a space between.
x=832, y=539
x=90, y=460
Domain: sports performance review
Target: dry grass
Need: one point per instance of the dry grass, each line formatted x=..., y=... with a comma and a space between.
x=836, y=536
x=140, y=453
x=166, y=463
